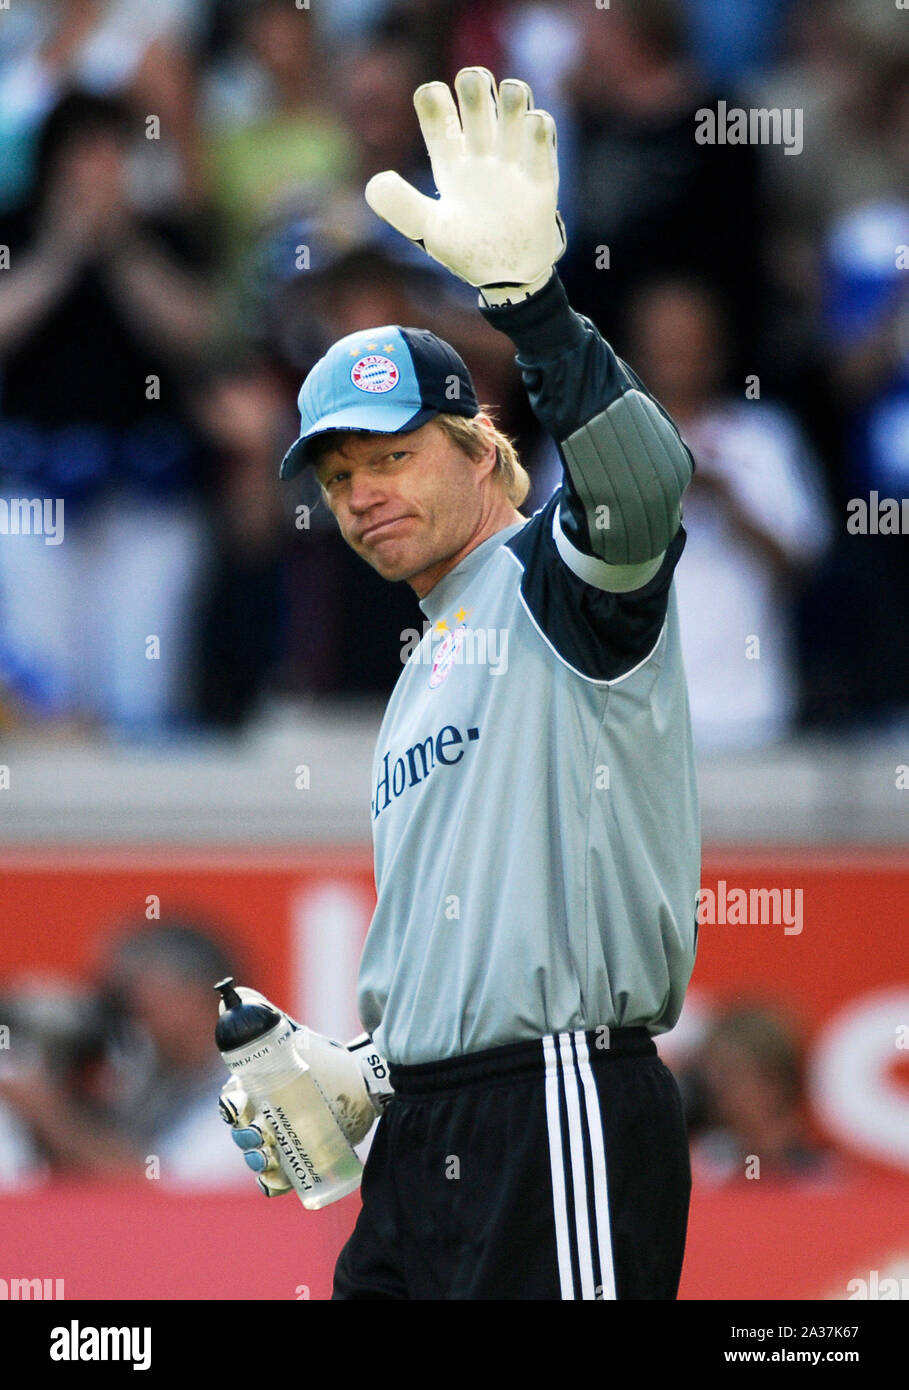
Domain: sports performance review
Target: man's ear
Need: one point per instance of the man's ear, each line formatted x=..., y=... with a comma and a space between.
x=490, y=457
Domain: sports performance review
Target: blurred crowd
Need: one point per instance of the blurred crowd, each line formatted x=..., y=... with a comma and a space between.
x=116, y=1079
x=183, y=234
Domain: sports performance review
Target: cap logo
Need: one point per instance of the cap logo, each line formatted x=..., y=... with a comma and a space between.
x=375, y=374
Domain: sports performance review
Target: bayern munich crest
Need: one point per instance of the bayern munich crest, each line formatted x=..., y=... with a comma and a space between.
x=445, y=657
x=374, y=373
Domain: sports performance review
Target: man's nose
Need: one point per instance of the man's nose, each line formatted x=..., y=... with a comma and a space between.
x=365, y=490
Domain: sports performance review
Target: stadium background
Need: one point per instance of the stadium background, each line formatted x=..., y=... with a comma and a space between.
x=180, y=201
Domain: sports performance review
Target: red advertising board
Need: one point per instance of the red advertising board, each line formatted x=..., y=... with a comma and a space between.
x=140, y=1243
x=832, y=954
x=836, y=960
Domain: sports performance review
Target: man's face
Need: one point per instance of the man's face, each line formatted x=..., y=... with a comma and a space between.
x=677, y=343
x=406, y=503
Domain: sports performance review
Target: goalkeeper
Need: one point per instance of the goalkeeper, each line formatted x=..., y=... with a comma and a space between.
x=535, y=816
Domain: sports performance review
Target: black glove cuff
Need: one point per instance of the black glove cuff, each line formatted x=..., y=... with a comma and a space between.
x=545, y=323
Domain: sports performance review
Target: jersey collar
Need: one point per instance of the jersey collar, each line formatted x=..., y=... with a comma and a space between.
x=449, y=588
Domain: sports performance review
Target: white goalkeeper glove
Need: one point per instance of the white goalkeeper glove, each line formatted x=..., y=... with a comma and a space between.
x=352, y=1079
x=495, y=222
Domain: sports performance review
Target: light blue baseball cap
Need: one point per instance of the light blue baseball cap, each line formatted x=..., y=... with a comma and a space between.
x=385, y=380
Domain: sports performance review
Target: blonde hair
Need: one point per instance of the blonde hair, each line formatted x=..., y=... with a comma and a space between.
x=473, y=436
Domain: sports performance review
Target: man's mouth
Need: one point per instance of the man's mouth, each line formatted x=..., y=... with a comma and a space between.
x=380, y=527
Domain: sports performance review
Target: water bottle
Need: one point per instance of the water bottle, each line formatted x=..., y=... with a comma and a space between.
x=255, y=1041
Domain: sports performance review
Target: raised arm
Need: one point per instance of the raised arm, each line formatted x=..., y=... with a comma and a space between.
x=496, y=225
x=626, y=465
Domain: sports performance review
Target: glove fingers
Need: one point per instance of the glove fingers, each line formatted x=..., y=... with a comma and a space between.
x=476, y=91
x=273, y=1187
x=401, y=205
x=260, y=1155
x=538, y=149
x=269, y=1174
x=260, y=1162
x=248, y=1138
x=515, y=100
x=254, y=1138
x=234, y=1104
x=439, y=122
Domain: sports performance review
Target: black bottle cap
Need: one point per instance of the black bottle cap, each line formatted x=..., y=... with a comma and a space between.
x=241, y=1024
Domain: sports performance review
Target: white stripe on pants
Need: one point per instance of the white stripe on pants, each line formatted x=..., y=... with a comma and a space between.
x=560, y=1059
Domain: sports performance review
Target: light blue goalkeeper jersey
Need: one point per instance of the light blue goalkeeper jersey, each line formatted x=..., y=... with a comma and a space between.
x=534, y=811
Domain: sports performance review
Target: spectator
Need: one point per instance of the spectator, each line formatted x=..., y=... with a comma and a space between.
x=243, y=409
x=101, y=313
x=273, y=143
x=56, y=1043
x=279, y=116
x=376, y=87
x=865, y=674
x=844, y=69
x=733, y=42
x=754, y=514
x=111, y=1083
x=50, y=1074
x=125, y=49
x=648, y=195
x=169, y=1073
x=752, y=1071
